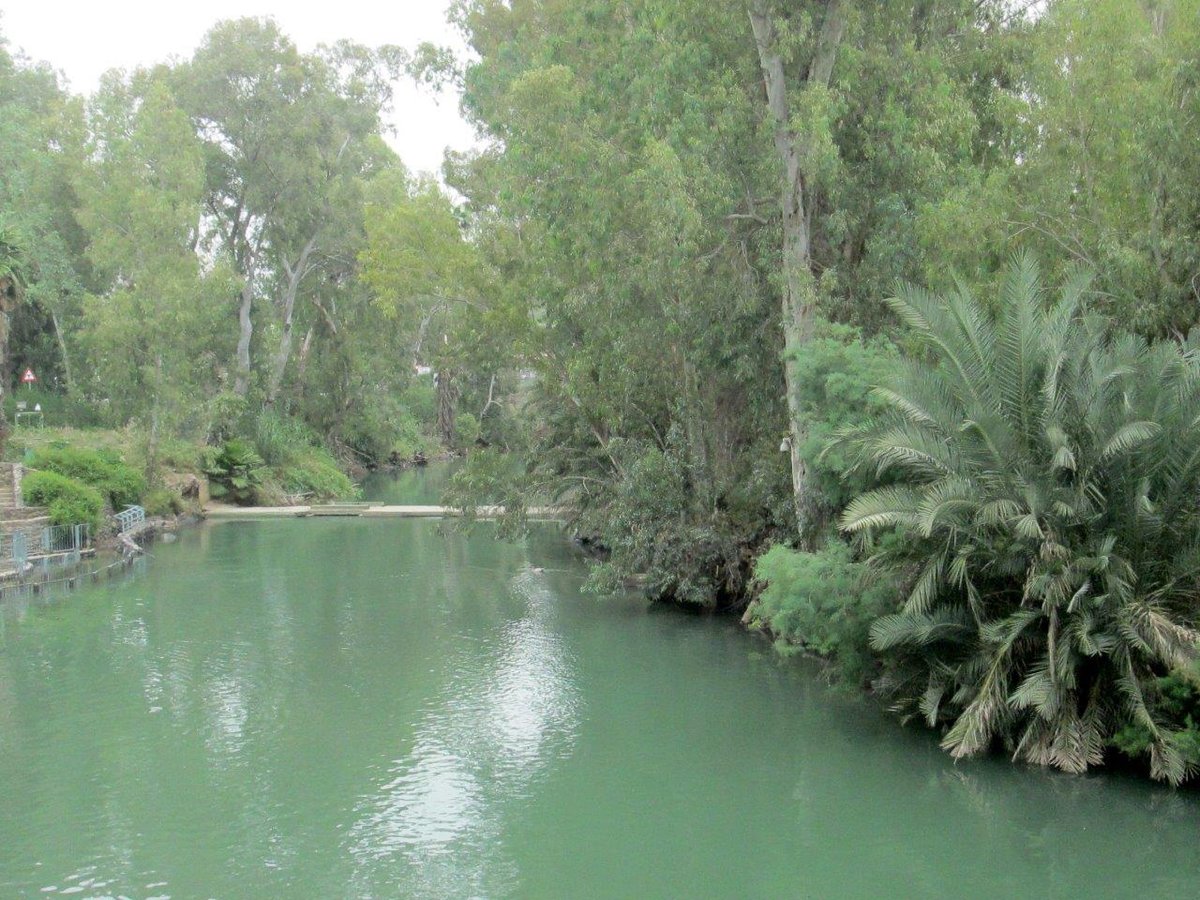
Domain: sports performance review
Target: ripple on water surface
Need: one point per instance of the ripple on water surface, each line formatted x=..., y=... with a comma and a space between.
x=386, y=709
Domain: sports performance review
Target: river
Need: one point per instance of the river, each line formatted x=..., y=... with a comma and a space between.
x=386, y=708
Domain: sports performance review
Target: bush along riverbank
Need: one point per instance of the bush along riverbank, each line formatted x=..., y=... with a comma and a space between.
x=84, y=475
x=1031, y=476
x=1009, y=548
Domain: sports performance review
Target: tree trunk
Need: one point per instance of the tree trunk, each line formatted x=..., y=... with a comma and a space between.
x=447, y=400
x=62, y=349
x=800, y=285
x=152, y=442
x=4, y=323
x=295, y=275
x=305, y=347
x=241, y=384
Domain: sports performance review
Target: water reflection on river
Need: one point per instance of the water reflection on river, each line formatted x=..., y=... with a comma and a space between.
x=354, y=708
x=507, y=710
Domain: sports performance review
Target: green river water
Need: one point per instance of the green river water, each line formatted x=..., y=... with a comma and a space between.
x=334, y=708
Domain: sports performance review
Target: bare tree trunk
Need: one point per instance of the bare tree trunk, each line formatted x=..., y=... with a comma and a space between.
x=491, y=399
x=62, y=349
x=152, y=443
x=447, y=400
x=302, y=357
x=8, y=294
x=295, y=275
x=241, y=384
x=800, y=286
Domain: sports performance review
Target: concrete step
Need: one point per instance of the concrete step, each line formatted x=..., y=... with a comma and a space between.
x=20, y=513
x=342, y=508
x=10, y=484
x=31, y=528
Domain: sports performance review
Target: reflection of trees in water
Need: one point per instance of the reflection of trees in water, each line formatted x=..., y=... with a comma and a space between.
x=913, y=817
x=436, y=826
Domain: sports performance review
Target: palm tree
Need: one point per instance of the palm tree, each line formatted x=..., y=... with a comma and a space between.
x=1042, y=479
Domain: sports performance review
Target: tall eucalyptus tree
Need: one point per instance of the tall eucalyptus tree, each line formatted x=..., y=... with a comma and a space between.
x=287, y=137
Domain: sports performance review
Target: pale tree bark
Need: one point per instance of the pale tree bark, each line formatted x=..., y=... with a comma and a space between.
x=241, y=383
x=245, y=257
x=800, y=283
x=8, y=302
x=491, y=399
x=152, y=442
x=447, y=400
x=302, y=356
x=295, y=275
x=62, y=349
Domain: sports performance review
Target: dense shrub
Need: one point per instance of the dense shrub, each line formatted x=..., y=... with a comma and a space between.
x=316, y=476
x=823, y=602
x=410, y=441
x=1175, y=698
x=235, y=472
x=386, y=431
x=280, y=440
x=70, y=502
x=466, y=429
x=119, y=483
x=58, y=409
x=1044, y=481
x=372, y=432
x=161, y=501
x=419, y=399
x=227, y=415
x=835, y=378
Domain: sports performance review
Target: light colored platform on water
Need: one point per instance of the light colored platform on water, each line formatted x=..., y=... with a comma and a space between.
x=220, y=511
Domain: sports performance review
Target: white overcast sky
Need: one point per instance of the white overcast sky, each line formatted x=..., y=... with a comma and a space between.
x=86, y=39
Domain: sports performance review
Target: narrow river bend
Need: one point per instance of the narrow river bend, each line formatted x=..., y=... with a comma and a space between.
x=356, y=708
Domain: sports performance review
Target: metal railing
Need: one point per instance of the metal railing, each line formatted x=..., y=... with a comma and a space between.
x=130, y=518
x=42, y=549
x=14, y=550
x=65, y=538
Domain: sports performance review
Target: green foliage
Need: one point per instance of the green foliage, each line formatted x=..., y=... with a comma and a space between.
x=410, y=441
x=487, y=478
x=315, y=475
x=654, y=524
x=1176, y=700
x=280, y=440
x=419, y=400
x=235, y=472
x=70, y=501
x=58, y=409
x=160, y=501
x=227, y=416
x=466, y=429
x=383, y=432
x=120, y=484
x=835, y=377
x=299, y=466
x=823, y=602
x=1044, y=476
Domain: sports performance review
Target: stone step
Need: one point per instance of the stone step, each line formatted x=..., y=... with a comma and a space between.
x=20, y=513
x=10, y=484
x=342, y=508
x=31, y=528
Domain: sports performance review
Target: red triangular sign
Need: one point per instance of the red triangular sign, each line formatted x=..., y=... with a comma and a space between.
x=28, y=376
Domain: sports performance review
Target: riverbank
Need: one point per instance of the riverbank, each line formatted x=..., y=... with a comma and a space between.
x=180, y=474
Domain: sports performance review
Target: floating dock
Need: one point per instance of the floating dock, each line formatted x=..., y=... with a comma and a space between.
x=367, y=511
